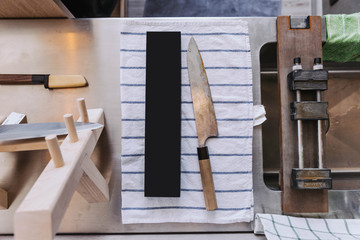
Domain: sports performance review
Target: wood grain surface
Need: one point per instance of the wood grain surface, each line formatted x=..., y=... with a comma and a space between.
x=208, y=184
x=33, y=9
x=306, y=44
x=15, y=78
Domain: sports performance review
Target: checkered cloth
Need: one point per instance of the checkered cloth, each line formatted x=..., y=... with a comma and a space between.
x=284, y=227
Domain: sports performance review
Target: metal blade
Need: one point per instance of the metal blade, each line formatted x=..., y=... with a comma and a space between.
x=37, y=130
x=206, y=125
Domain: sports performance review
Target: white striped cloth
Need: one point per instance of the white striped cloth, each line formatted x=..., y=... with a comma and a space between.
x=225, y=49
x=280, y=227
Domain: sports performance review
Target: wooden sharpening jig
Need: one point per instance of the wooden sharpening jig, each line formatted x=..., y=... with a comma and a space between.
x=303, y=179
x=309, y=80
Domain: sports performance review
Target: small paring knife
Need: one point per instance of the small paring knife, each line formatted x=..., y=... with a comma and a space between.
x=206, y=125
x=50, y=81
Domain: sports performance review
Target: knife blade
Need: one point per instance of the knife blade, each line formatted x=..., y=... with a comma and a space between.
x=37, y=130
x=50, y=81
x=205, y=119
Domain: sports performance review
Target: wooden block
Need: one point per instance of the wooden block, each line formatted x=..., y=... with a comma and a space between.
x=306, y=44
x=33, y=9
x=93, y=186
x=41, y=212
x=3, y=199
x=26, y=144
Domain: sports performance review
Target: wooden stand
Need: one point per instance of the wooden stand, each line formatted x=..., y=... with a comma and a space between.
x=3, y=199
x=13, y=118
x=306, y=44
x=41, y=212
x=3, y=193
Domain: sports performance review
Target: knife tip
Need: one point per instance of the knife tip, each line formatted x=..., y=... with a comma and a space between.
x=192, y=44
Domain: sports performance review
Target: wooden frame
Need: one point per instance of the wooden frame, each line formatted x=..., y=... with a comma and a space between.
x=41, y=212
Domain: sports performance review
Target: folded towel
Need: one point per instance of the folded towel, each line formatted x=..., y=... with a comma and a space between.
x=225, y=49
x=284, y=227
x=343, y=38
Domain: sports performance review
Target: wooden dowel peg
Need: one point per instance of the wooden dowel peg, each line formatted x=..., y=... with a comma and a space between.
x=54, y=149
x=70, y=125
x=82, y=110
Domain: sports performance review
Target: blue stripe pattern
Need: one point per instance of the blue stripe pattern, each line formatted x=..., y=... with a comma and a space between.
x=186, y=207
x=185, y=68
x=194, y=190
x=190, y=102
x=195, y=154
x=193, y=34
x=184, y=51
x=188, y=85
x=228, y=137
x=193, y=119
x=194, y=172
x=239, y=97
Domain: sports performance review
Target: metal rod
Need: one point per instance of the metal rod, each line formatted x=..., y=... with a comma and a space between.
x=319, y=133
x=300, y=135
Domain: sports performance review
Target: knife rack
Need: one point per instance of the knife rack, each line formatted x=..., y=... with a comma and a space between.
x=40, y=213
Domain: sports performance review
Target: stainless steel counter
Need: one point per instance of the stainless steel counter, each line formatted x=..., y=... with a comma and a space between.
x=90, y=48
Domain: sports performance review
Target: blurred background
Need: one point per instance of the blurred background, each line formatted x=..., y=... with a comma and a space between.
x=171, y=8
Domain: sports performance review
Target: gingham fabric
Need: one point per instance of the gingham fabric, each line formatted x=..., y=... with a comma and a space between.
x=281, y=227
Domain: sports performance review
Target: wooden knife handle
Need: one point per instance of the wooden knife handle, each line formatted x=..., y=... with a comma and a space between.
x=207, y=179
x=15, y=79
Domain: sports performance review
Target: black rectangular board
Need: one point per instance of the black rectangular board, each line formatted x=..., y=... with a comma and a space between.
x=163, y=114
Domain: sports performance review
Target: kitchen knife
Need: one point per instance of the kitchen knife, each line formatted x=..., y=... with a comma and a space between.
x=206, y=125
x=49, y=81
x=36, y=130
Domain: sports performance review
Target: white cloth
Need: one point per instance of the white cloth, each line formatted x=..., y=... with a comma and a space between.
x=259, y=114
x=277, y=227
x=225, y=49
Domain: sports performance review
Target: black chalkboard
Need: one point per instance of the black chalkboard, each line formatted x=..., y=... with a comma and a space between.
x=163, y=114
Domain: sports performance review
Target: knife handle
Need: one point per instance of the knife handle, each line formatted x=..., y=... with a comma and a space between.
x=207, y=179
x=25, y=79
x=15, y=79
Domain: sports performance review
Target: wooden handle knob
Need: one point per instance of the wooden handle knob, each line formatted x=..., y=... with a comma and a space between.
x=82, y=110
x=70, y=125
x=54, y=149
x=208, y=184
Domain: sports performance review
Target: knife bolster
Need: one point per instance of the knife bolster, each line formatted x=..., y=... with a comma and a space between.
x=41, y=79
x=203, y=153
